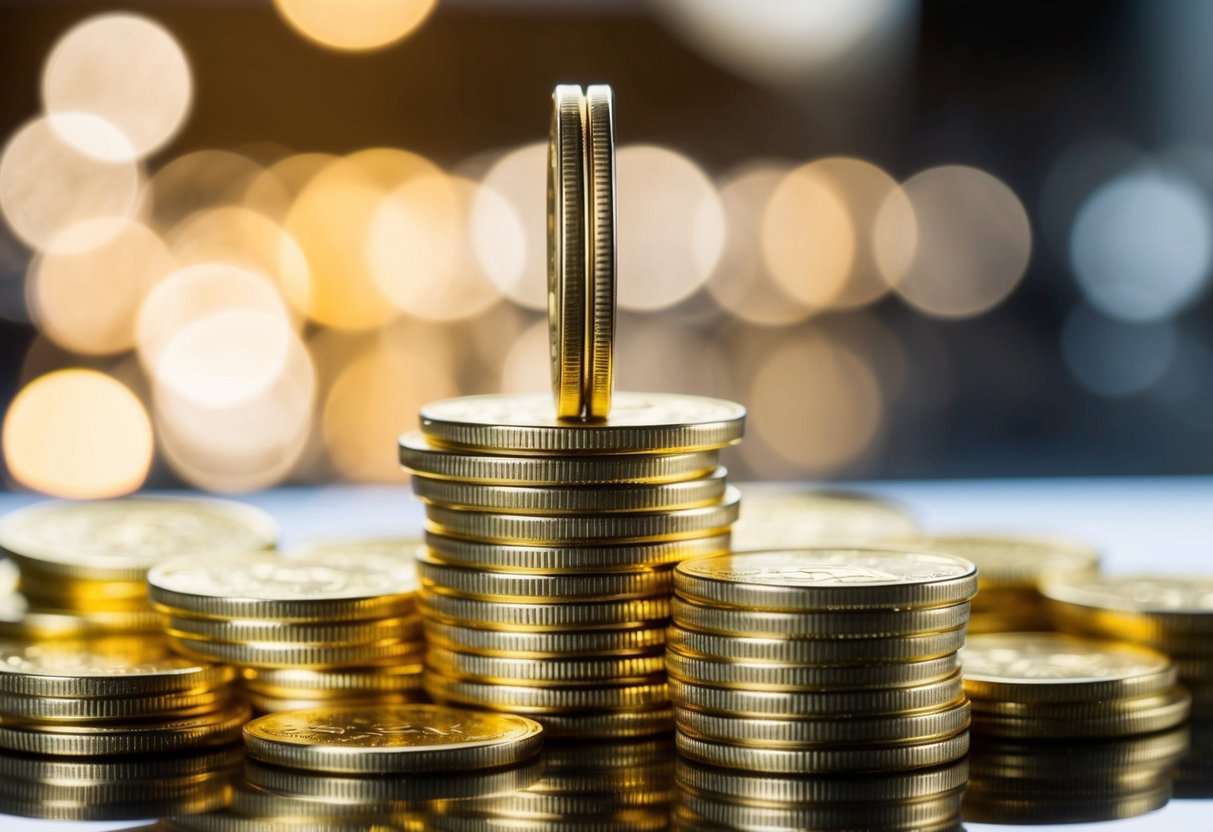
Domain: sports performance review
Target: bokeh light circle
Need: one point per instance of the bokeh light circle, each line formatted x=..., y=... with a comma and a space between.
x=511, y=241
x=1115, y=359
x=354, y=25
x=78, y=434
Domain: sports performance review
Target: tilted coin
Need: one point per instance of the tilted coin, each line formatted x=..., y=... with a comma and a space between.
x=776, y=516
x=795, y=651
x=392, y=739
x=600, y=258
x=1034, y=667
x=623, y=642
x=769, y=676
x=427, y=459
x=121, y=539
x=519, y=423
x=574, y=499
x=336, y=634
x=553, y=617
x=543, y=672
x=637, y=527
x=481, y=583
x=845, y=624
x=761, y=703
x=315, y=656
x=608, y=725
x=1138, y=606
x=270, y=586
x=567, y=301
x=536, y=700
x=304, y=683
x=604, y=557
x=828, y=579
x=1014, y=560
x=70, y=669
x=99, y=709
x=824, y=760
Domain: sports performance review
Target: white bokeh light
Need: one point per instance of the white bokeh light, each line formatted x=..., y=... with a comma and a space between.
x=1113, y=358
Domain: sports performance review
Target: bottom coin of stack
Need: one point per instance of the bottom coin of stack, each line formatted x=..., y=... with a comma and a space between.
x=328, y=627
x=820, y=660
x=1170, y=613
x=112, y=697
x=624, y=785
x=1015, y=782
x=1052, y=686
x=718, y=798
x=1011, y=570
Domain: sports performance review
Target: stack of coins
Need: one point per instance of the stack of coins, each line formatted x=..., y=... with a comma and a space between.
x=112, y=698
x=83, y=566
x=820, y=660
x=606, y=786
x=1171, y=613
x=774, y=516
x=1013, y=782
x=1011, y=570
x=1053, y=686
x=718, y=798
x=323, y=628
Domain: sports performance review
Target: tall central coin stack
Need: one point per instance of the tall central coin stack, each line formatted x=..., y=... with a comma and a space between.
x=552, y=530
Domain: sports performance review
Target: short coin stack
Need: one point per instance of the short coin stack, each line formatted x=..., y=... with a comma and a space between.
x=112, y=698
x=546, y=577
x=774, y=515
x=1049, y=686
x=328, y=627
x=1012, y=569
x=83, y=566
x=1171, y=613
x=820, y=660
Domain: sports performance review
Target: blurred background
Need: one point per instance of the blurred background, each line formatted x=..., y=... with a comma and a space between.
x=242, y=241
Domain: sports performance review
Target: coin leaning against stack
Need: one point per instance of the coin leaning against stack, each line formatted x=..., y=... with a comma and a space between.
x=553, y=523
x=1170, y=613
x=330, y=626
x=820, y=660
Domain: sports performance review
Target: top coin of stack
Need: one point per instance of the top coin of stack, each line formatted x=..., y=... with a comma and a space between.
x=774, y=516
x=83, y=566
x=1012, y=569
x=1171, y=613
x=553, y=523
x=769, y=649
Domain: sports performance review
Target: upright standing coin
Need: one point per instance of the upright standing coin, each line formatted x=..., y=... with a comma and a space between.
x=600, y=260
x=388, y=739
x=566, y=250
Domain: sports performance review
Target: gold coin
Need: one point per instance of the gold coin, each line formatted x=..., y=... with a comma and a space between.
x=827, y=579
x=70, y=669
x=779, y=677
x=567, y=301
x=392, y=739
x=119, y=540
x=22, y=622
x=313, y=656
x=542, y=617
x=121, y=738
x=1137, y=606
x=929, y=726
x=502, y=586
x=99, y=709
x=305, y=683
x=608, y=725
x=574, y=499
x=524, y=645
x=815, y=651
x=760, y=703
x=925, y=814
x=1045, y=667
x=1013, y=560
x=600, y=259
x=536, y=700
x=765, y=789
x=544, y=672
x=269, y=586
x=1112, y=718
x=266, y=704
x=641, y=557
x=608, y=758
x=523, y=423
x=845, y=624
x=55, y=590
x=776, y=516
x=69, y=771
x=427, y=459
x=824, y=760
x=335, y=634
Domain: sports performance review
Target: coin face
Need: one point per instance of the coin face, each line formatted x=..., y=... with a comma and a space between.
x=1015, y=559
x=1162, y=594
x=775, y=516
x=115, y=538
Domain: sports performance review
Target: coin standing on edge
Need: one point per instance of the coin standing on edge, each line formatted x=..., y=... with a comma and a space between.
x=600, y=258
x=566, y=250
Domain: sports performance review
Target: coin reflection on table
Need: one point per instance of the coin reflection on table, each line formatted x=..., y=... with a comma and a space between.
x=1194, y=775
x=1075, y=782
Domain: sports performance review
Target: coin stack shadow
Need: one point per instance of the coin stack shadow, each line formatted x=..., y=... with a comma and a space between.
x=818, y=662
x=298, y=635
x=546, y=574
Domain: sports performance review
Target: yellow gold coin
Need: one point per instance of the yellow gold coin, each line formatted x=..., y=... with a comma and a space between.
x=540, y=700
x=601, y=725
x=543, y=617
x=336, y=634
x=567, y=301
x=1156, y=608
x=120, y=540
x=392, y=739
x=312, y=656
x=844, y=624
x=1108, y=718
x=579, y=559
x=527, y=645
x=544, y=672
x=784, y=704
x=99, y=709
x=806, y=677
x=776, y=516
x=21, y=621
x=824, y=760
x=304, y=683
x=794, y=651
x=266, y=704
x=1012, y=560
x=600, y=258
x=102, y=668
x=503, y=586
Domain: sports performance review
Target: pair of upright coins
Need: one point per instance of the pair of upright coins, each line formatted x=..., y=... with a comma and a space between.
x=581, y=250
